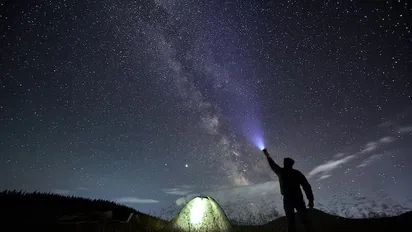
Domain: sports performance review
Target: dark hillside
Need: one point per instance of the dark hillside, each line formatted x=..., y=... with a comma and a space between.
x=38, y=207
x=326, y=222
x=42, y=211
x=53, y=212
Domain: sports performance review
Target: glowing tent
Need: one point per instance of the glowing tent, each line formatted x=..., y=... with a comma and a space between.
x=200, y=214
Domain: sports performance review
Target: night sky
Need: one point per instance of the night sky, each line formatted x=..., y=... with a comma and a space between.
x=149, y=103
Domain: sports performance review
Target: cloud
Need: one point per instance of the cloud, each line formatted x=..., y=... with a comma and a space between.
x=368, y=161
x=134, y=200
x=405, y=129
x=181, y=201
x=322, y=177
x=369, y=147
x=325, y=169
x=181, y=190
x=386, y=124
x=339, y=155
x=65, y=192
x=329, y=166
x=184, y=200
x=237, y=194
x=387, y=139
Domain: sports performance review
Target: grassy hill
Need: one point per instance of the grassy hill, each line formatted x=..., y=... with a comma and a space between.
x=46, y=211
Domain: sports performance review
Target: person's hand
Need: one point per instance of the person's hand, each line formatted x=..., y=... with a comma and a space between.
x=311, y=204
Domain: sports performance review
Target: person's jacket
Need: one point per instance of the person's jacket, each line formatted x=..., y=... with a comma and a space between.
x=290, y=181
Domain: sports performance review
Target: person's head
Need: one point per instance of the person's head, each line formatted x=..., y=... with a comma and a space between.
x=288, y=162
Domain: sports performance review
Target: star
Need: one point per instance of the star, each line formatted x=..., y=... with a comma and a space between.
x=129, y=89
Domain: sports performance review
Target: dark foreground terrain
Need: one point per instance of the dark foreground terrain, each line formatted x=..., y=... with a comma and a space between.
x=325, y=222
x=52, y=212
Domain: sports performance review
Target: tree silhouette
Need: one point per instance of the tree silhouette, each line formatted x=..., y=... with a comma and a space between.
x=37, y=207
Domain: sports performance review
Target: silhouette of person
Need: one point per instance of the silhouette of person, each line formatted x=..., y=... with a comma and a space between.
x=290, y=181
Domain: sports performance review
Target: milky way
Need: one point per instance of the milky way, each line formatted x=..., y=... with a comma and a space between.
x=149, y=103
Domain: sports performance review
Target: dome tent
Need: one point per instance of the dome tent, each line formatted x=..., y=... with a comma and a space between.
x=200, y=215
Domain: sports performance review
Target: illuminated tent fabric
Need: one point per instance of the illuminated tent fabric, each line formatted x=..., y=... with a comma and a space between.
x=200, y=214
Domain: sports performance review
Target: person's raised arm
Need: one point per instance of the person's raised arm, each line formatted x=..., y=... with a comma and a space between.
x=273, y=165
x=307, y=188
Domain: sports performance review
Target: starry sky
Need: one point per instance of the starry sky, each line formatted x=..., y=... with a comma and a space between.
x=151, y=102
